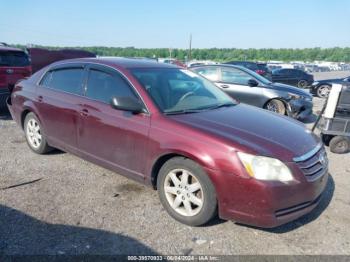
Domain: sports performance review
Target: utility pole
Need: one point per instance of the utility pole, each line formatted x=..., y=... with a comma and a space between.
x=190, y=50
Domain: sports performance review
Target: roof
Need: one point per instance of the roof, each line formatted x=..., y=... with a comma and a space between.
x=121, y=62
x=221, y=65
x=8, y=48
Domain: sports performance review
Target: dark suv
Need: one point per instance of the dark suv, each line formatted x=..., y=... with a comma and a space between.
x=14, y=65
x=294, y=77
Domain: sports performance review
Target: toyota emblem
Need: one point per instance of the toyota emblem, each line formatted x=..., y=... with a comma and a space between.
x=9, y=71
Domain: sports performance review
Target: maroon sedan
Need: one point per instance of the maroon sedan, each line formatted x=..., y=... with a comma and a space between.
x=174, y=130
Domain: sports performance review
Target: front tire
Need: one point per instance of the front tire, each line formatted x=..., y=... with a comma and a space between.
x=276, y=106
x=34, y=135
x=323, y=91
x=186, y=192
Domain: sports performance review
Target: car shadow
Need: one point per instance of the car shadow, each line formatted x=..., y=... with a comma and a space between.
x=308, y=218
x=21, y=234
x=5, y=114
x=310, y=119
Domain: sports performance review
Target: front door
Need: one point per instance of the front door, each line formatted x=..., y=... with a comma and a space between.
x=114, y=138
x=235, y=83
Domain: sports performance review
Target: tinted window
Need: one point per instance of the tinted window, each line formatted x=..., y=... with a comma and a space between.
x=210, y=73
x=103, y=86
x=68, y=80
x=251, y=66
x=234, y=76
x=283, y=72
x=11, y=58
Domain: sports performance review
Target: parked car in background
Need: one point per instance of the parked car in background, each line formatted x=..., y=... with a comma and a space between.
x=260, y=68
x=172, y=61
x=176, y=131
x=251, y=88
x=321, y=88
x=14, y=65
x=294, y=77
x=41, y=57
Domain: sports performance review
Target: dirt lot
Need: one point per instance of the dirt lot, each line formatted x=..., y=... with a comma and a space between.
x=75, y=207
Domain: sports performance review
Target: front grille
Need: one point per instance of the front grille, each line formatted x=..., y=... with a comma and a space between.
x=314, y=166
x=296, y=208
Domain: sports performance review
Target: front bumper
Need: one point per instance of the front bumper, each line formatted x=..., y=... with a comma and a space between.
x=268, y=204
x=4, y=94
x=299, y=108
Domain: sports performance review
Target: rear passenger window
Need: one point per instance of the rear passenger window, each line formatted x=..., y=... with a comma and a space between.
x=69, y=80
x=102, y=86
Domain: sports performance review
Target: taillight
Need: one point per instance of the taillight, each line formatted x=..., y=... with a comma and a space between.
x=260, y=72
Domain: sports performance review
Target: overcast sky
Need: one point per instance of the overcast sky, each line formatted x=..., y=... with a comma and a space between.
x=166, y=23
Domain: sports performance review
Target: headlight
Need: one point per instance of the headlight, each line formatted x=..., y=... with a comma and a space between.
x=265, y=168
x=296, y=97
x=315, y=83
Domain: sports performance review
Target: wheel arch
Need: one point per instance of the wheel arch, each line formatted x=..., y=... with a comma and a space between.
x=162, y=159
x=28, y=107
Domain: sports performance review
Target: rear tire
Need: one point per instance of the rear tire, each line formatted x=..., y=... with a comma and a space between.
x=302, y=83
x=339, y=145
x=186, y=192
x=276, y=106
x=323, y=91
x=34, y=135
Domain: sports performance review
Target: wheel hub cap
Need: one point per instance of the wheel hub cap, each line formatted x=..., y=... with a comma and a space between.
x=33, y=133
x=183, y=192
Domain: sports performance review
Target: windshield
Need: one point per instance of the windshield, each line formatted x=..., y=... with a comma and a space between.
x=181, y=91
x=14, y=58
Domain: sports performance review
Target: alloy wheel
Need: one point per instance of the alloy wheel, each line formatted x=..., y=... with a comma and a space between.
x=272, y=107
x=33, y=133
x=302, y=83
x=183, y=192
x=323, y=91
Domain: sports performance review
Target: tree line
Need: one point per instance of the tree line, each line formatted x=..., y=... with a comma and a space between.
x=336, y=54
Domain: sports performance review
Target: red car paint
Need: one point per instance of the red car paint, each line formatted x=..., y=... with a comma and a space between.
x=136, y=145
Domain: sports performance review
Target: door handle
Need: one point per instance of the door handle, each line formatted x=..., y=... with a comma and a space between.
x=225, y=86
x=40, y=99
x=84, y=112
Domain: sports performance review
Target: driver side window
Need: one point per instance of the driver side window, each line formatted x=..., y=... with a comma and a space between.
x=234, y=76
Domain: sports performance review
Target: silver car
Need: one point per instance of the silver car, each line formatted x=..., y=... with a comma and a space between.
x=251, y=88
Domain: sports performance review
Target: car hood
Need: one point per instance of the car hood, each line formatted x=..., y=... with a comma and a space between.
x=290, y=89
x=337, y=80
x=254, y=130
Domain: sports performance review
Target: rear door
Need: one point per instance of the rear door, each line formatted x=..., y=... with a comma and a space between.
x=282, y=76
x=234, y=82
x=114, y=138
x=58, y=97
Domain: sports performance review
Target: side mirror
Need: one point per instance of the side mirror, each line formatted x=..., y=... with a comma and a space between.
x=127, y=104
x=252, y=82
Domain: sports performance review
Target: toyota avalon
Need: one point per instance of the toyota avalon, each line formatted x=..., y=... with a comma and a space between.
x=172, y=129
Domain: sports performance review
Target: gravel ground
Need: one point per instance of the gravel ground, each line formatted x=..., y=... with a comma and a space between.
x=75, y=207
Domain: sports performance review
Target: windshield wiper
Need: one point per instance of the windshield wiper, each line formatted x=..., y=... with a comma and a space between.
x=221, y=105
x=190, y=111
x=185, y=111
